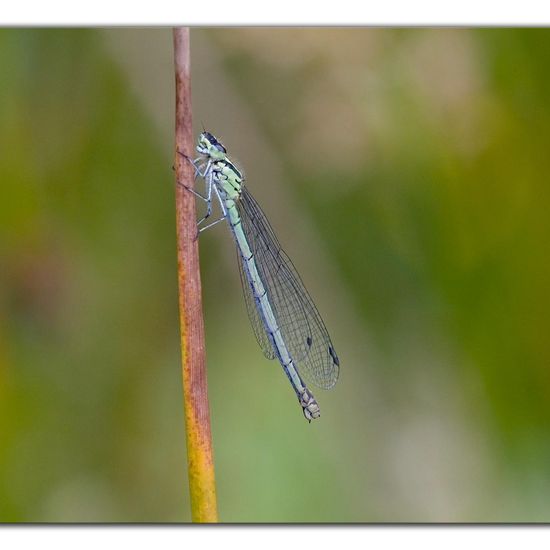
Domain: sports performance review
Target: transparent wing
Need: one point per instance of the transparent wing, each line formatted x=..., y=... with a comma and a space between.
x=301, y=325
x=253, y=313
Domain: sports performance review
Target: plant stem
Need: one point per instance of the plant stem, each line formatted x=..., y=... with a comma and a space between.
x=200, y=463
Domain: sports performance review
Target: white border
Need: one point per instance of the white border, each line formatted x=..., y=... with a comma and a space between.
x=266, y=538
x=281, y=12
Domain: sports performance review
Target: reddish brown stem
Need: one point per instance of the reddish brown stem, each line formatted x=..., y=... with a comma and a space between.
x=202, y=485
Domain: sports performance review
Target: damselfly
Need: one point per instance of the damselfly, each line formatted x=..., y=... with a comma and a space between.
x=285, y=320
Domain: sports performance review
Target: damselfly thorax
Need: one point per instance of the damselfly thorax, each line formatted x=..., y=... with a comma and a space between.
x=227, y=178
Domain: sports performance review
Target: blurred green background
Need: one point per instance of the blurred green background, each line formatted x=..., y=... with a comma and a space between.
x=405, y=172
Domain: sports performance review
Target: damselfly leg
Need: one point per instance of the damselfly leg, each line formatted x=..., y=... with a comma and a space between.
x=208, y=198
x=222, y=206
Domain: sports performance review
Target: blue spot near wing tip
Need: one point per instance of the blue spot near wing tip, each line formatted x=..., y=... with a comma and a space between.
x=334, y=356
x=309, y=340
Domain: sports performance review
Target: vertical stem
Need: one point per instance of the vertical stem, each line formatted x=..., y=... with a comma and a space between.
x=202, y=485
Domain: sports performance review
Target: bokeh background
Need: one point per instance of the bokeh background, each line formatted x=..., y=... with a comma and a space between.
x=405, y=171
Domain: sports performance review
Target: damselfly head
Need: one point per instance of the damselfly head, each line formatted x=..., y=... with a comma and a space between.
x=210, y=146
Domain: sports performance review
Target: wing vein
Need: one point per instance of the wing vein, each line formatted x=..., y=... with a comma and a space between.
x=301, y=325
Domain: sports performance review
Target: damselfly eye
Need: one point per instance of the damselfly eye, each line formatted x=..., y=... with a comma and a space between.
x=214, y=142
